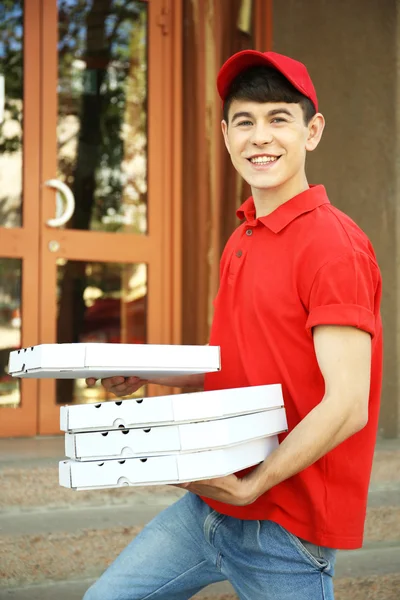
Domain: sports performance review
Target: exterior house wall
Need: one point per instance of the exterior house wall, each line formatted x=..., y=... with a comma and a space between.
x=351, y=50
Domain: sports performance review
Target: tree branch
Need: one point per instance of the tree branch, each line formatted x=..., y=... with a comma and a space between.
x=122, y=15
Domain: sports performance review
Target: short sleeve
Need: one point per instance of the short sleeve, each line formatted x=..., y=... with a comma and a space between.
x=344, y=292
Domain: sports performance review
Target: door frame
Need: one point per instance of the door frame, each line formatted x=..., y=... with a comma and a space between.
x=22, y=242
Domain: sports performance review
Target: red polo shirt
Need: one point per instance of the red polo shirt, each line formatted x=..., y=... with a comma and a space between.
x=305, y=264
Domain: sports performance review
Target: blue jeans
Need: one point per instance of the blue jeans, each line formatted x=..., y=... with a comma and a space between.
x=189, y=545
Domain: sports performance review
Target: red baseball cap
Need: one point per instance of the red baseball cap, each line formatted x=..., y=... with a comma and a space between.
x=293, y=70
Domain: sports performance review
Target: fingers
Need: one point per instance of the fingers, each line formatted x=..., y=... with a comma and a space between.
x=110, y=382
x=107, y=382
x=122, y=386
x=119, y=386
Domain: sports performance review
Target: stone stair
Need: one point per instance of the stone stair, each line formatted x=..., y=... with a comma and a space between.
x=55, y=542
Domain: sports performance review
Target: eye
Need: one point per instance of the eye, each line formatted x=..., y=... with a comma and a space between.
x=278, y=120
x=244, y=123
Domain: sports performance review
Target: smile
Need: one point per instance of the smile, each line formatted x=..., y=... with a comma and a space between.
x=263, y=160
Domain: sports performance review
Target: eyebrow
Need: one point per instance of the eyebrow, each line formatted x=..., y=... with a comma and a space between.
x=270, y=113
x=276, y=111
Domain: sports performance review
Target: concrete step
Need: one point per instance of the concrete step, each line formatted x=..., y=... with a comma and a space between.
x=69, y=520
x=386, y=466
x=383, y=513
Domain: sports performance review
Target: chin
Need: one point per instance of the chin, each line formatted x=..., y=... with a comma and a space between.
x=264, y=183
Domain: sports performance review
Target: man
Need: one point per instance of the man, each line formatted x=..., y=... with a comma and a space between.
x=298, y=304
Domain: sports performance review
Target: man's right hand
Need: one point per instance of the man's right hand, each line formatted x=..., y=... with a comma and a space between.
x=119, y=386
x=126, y=386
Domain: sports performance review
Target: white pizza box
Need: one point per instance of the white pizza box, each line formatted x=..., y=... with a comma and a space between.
x=170, y=468
x=175, y=408
x=74, y=361
x=188, y=437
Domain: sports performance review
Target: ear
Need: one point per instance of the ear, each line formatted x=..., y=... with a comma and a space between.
x=315, y=130
x=224, y=127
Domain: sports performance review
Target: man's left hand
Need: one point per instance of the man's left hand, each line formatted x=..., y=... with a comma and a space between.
x=229, y=489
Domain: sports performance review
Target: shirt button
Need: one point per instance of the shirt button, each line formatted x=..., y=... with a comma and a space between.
x=249, y=232
x=239, y=253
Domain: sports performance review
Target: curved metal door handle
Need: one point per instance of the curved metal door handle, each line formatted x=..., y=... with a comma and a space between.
x=62, y=190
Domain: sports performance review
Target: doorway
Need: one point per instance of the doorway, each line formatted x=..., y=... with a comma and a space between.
x=89, y=241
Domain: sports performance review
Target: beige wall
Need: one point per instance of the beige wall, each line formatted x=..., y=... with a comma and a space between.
x=351, y=51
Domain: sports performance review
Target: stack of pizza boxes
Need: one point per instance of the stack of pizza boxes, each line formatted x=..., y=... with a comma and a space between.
x=155, y=440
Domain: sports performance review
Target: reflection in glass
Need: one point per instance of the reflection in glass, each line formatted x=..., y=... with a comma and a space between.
x=11, y=109
x=99, y=302
x=10, y=327
x=102, y=121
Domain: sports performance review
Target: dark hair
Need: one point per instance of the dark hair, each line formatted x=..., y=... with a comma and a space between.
x=265, y=84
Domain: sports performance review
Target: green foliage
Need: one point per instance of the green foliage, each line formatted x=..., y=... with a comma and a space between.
x=11, y=67
x=99, y=42
x=111, y=52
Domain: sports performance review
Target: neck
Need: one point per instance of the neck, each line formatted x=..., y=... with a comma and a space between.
x=268, y=200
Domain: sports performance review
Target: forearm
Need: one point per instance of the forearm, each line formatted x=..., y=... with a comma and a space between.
x=324, y=428
x=344, y=358
x=182, y=381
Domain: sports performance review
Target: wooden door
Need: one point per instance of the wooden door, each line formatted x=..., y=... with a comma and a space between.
x=106, y=224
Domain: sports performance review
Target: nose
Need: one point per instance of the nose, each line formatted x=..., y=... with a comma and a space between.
x=262, y=135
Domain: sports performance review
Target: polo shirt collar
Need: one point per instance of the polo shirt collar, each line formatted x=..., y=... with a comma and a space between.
x=285, y=213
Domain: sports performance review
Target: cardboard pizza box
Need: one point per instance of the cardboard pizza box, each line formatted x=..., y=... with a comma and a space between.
x=187, y=437
x=175, y=408
x=170, y=468
x=74, y=361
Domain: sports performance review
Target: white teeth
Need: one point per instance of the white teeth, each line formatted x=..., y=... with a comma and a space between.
x=263, y=160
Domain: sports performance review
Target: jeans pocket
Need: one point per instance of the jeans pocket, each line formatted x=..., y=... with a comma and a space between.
x=320, y=557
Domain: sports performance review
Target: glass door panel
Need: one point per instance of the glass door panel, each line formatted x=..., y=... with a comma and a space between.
x=11, y=111
x=102, y=112
x=10, y=327
x=99, y=302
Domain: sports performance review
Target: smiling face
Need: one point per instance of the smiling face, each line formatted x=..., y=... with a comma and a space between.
x=268, y=143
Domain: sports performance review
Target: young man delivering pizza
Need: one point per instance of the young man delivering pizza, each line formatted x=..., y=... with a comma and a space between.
x=298, y=304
